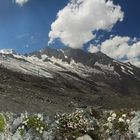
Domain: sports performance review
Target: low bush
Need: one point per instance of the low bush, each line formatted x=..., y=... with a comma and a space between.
x=34, y=122
x=2, y=123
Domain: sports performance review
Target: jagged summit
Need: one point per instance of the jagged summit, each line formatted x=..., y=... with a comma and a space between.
x=7, y=51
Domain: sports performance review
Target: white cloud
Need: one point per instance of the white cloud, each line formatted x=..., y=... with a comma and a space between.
x=76, y=22
x=121, y=47
x=116, y=47
x=21, y=2
x=134, y=61
x=93, y=49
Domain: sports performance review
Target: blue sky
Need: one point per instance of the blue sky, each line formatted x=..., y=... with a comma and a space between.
x=131, y=22
x=25, y=28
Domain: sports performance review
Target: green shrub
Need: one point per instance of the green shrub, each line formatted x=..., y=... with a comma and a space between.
x=2, y=123
x=34, y=122
x=118, y=121
x=74, y=125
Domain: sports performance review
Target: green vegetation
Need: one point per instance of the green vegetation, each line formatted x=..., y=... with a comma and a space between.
x=94, y=123
x=34, y=122
x=76, y=124
x=2, y=123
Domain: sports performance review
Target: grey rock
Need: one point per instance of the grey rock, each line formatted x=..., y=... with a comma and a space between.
x=85, y=137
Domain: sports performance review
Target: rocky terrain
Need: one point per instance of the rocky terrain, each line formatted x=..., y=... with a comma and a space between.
x=54, y=80
x=87, y=124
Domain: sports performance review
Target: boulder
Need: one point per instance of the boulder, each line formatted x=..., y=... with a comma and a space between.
x=85, y=137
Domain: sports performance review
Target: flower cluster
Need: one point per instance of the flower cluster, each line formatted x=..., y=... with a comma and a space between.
x=118, y=121
x=75, y=124
x=97, y=124
x=34, y=122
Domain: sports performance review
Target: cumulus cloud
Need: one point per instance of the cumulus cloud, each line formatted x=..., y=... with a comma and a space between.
x=93, y=49
x=77, y=21
x=121, y=48
x=116, y=47
x=21, y=2
x=135, y=61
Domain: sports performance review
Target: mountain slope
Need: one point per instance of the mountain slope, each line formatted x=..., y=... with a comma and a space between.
x=58, y=80
x=125, y=78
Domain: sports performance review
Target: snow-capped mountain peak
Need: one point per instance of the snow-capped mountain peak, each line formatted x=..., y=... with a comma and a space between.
x=72, y=63
x=7, y=51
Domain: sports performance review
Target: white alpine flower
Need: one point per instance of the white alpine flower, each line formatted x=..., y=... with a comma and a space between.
x=128, y=121
x=124, y=115
x=114, y=115
x=40, y=131
x=22, y=127
x=109, y=119
x=121, y=120
x=37, y=129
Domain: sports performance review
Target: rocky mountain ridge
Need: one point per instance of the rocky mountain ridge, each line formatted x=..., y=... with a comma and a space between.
x=60, y=79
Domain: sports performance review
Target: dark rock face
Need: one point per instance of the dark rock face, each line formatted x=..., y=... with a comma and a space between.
x=79, y=79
